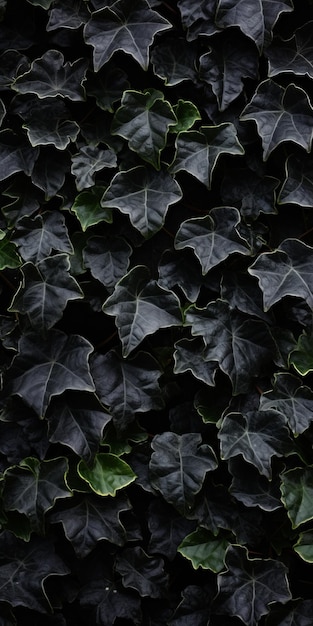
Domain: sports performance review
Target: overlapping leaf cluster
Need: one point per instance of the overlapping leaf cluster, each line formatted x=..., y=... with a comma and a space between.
x=156, y=263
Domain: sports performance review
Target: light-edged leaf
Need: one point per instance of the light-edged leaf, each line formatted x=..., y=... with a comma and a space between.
x=285, y=272
x=187, y=115
x=107, y=258
x=292, y=399
x=71, y=15
x=144, y=119
x=127, y=25
x=23, y=200
x=143, y=194
x=304, y=546
x=294, y=55
x=13, y=63
x=47, y=367
x=281, y=114
x=197, y=151
x=47, y=123
x=212, y=237
x=141, y=307
x=88, y=210
x=16, y=155
x=255, y=435
x=9, y=257
x=51, y=76
x=301, y=357
x=189, y=355
x=174, y=61
x=297, y=492
x=142, y=572
x=107, y=473
x=204, y=550
x=89, y=161
x=297, y=187
x=37, y=237
x=198, y=18
x=251, y=193
x=178, y=467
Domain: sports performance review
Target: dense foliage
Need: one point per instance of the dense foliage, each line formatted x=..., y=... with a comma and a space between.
x=156, y=256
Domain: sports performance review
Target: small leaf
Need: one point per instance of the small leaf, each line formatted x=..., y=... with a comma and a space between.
x=88, y=210
x=145, y=195
x=142, y=572
x=187, y=114
x=204, y=550
x=8, y=254
x=297, y=492
x=304, y=546
x=302, y=356
x=294, y=55
x=107, y=474
x=291, y=399
x=88, y=162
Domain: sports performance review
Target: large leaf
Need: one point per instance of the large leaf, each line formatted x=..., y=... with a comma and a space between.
x=197, y=151
x=127, y=386
x=213, y=237
x=145, y=195
x=142, y=572
x=129, y=26
x=249, y=586
x=50, y=76
x=281, y=114
x=178, y=467
x=251, y=193
x=37, y=237
x=45, y=290
x=107, y=258
x=291, y=399
x=25, y=569
x=297, y=187
x=141, y=307
x=285, y=272
x=241, y=346
x=106, y=474
x=32, y=488
x=143, y=119
x=257, y=436
x=16, y=155
x=297, y=493
x=88, y=162
x=204, y=550
x=46, y=368
x=294, y=55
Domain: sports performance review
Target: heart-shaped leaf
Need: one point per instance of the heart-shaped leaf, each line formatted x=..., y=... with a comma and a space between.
x=107, y=474
x=88, y=162
x=297, y=492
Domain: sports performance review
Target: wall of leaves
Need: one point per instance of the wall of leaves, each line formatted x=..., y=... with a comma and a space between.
x=156, y=271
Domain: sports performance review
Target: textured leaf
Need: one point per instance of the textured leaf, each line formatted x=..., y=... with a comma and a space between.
x=302, y=356
x=71, y=15
x=127, y=386
x=142, y=572
x=256, y=19
x=297, y=493
x=285, y=272
x=295, y=613
x=91, y=520
x=45, y=291
x=33, y=488
x=197, y=151
x=26, y=567
x=178, y=467
x=213, y=237
x=49, y=76
x=107, y=258
x=174, y=61
x=16, y=155
x=297, y=187
x=294, y=55
x=204, y=550
x=167, y=529
x=45, y=369
x=187, y=115
x=251, y=193
x=241, y=346
x=47, y=123
x=145, y=195
x=107, y=474
x=291, y=399
x=88, y=162
x=255, y=435
x=141, y=308
x=77, y=420
x=88, y=210
x=121, y=28
x=251, y=585
x=37, y=237
x=281, y=114
x=143, y=119
x=189, y=356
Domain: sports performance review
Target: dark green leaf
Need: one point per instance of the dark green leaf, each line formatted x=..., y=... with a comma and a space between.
x=304, y=547
x=107, y=474
x=291, y=399
x=187, y=114
x=16, y=155
x=294, y=55
x=107, y=258
x=204, y=550
x=88, y=209
x=297, y=187
x=88, y=162
x=302, y=355
x=142, y=572
x=8, y=253
x=37, y=237
x=297, y=492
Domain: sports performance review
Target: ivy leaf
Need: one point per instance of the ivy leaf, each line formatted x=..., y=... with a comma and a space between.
x=297, y=492
x=251, y=193
x=33, y=487
x=229, y=61
x=303, y=547
x=45, y=175
x=256, y=20
x=77, y=420
x=47, y=368
x=25, y=569
x=291, y=399
x=142, y=572
x=194, y=607
x=107, y=258
x=72, y=15
x=198, y=18
x=251, y=488
x=167, y=529
x=49, y=76
x=178, y=467
x=16, y=155
x=255, y=435
x=174, y=61
x=141, y=308
x=250, y=585
x=106, y=474
x=120, y=27
x=109, y=599
x=47, y=123
x=127, y=387
x=91, y=520
x=239, y=290
x=301, y=356
x=297, y=187
x=88, y=162
x=197, y=151
x=107, y=86
x=187, y=114
x=183, y=270
x=8, y=254
x=212, y=237
x=145, y=195
x=242, y=346
x=281, y=114
x=143, y=119
x=285, y=272
x=13, y=63
x=88, y=210
x=45, y=291
x=204, y=550
x=293, y=55
x=37, y=237
x=189, y=355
